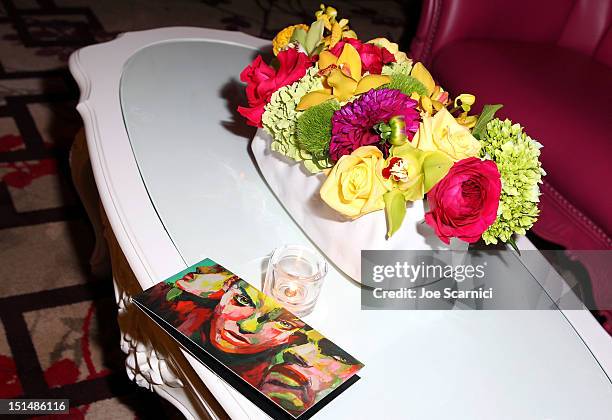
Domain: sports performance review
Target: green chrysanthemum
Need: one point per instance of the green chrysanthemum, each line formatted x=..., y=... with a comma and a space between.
x=280, y=119
x=517, y=157
x=406, y=84
x=314, y=129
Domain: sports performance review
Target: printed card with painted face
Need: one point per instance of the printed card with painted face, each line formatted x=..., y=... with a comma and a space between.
x=246, y=337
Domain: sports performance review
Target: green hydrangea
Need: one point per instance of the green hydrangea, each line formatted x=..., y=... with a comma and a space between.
x=397, y=68
x=280, y=119
x=517, y=157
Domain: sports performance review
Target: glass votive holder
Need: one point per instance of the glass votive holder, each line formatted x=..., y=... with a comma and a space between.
x=294, y=278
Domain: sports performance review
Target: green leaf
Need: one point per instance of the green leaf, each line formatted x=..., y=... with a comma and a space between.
x=173, y=293
x=395, y=210
x=314, y=36
x=299, y=35
x=487, y=114
x=513, y=245
x=435, y=167
x=318, y=50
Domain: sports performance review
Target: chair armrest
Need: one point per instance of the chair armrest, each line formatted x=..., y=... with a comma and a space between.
x=445, y=21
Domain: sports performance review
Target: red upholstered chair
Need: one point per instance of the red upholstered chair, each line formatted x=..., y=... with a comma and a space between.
x=550, y=64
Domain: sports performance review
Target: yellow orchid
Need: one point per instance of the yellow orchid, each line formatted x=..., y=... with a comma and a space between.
x=464, y=103
x=343, y=78
x=413, y=171
x=338, y=29
x=324, y=12
x=468, y=121
x=436, y=97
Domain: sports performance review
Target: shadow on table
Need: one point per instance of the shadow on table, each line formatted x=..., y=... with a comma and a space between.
x=234, y=96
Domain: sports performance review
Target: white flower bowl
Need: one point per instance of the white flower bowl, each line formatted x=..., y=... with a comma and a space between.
x=339, y=239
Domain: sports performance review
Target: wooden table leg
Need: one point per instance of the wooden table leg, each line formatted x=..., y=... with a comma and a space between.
x=83, y=179
x=154, y=360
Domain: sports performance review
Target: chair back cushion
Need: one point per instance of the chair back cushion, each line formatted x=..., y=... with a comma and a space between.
x=587, y=29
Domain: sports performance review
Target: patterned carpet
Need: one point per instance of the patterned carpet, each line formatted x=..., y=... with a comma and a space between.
x=58, y=333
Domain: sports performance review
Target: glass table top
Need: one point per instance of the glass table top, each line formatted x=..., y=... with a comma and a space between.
x=178, y=101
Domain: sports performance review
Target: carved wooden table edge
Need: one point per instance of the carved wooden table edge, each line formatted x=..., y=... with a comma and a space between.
x=154, y=360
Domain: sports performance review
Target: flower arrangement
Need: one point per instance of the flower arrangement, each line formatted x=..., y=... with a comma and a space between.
x=384, y=133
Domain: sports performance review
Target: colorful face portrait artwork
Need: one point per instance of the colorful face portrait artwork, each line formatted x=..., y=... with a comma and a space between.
x=303, y=374
x=253, y=335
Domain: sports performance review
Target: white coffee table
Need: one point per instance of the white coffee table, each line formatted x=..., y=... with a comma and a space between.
x=177, y=184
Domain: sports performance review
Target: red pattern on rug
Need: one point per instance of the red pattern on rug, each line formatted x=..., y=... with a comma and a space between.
x=9, y=380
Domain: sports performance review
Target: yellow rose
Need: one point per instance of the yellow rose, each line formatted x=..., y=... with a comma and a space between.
x=442, y=132
x=355, y=185
x=392, y=47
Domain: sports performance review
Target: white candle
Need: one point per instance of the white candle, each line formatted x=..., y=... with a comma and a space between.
x=291, y=290
x=294, y=278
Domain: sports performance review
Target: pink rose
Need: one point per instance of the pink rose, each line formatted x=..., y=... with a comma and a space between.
x=262, y=81
x=464, y=203
x=372, y=56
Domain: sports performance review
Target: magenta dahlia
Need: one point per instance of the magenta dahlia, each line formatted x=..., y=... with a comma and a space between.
x=353, y=124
